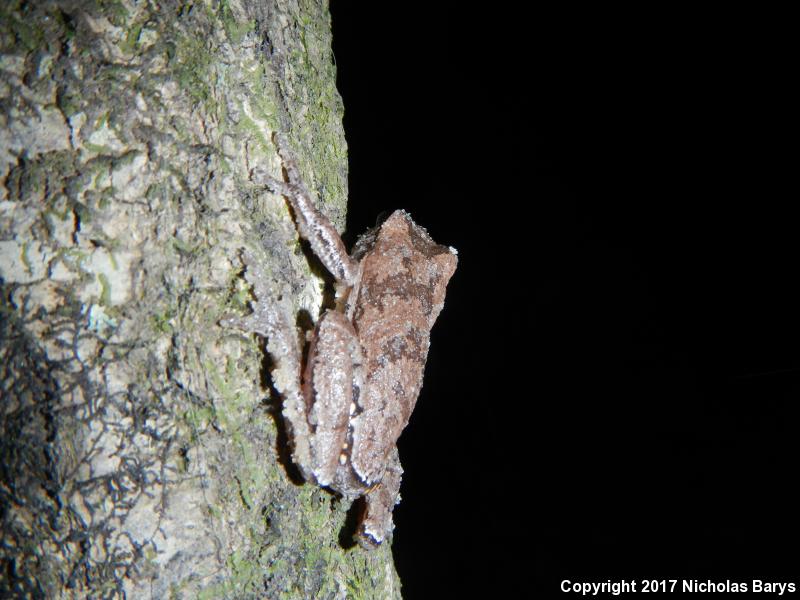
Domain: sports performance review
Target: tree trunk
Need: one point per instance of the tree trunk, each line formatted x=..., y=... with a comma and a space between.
x=142, y=451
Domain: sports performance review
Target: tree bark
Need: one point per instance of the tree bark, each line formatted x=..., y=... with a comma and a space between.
x=142, y=450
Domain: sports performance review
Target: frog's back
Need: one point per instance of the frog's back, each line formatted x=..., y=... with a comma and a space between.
x=400, y=295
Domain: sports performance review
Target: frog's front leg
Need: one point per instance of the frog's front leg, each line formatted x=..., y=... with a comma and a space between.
x=313, y=225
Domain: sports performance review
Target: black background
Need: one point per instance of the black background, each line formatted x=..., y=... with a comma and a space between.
x=611, y=386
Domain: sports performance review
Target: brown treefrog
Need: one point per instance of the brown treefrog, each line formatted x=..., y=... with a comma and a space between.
x=346, y=408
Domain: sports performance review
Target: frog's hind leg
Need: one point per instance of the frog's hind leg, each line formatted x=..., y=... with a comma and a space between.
x=376, y=524
x=332, y=385
x=272, y=318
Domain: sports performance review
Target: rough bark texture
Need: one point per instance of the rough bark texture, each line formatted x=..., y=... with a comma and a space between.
x=140, y=444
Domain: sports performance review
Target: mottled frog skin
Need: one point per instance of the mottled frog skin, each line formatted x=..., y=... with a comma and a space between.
x=363, y=374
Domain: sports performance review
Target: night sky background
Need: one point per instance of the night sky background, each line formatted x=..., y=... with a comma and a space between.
x=612, y=386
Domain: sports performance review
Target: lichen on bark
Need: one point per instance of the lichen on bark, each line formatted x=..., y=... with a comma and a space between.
x=140, y=443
